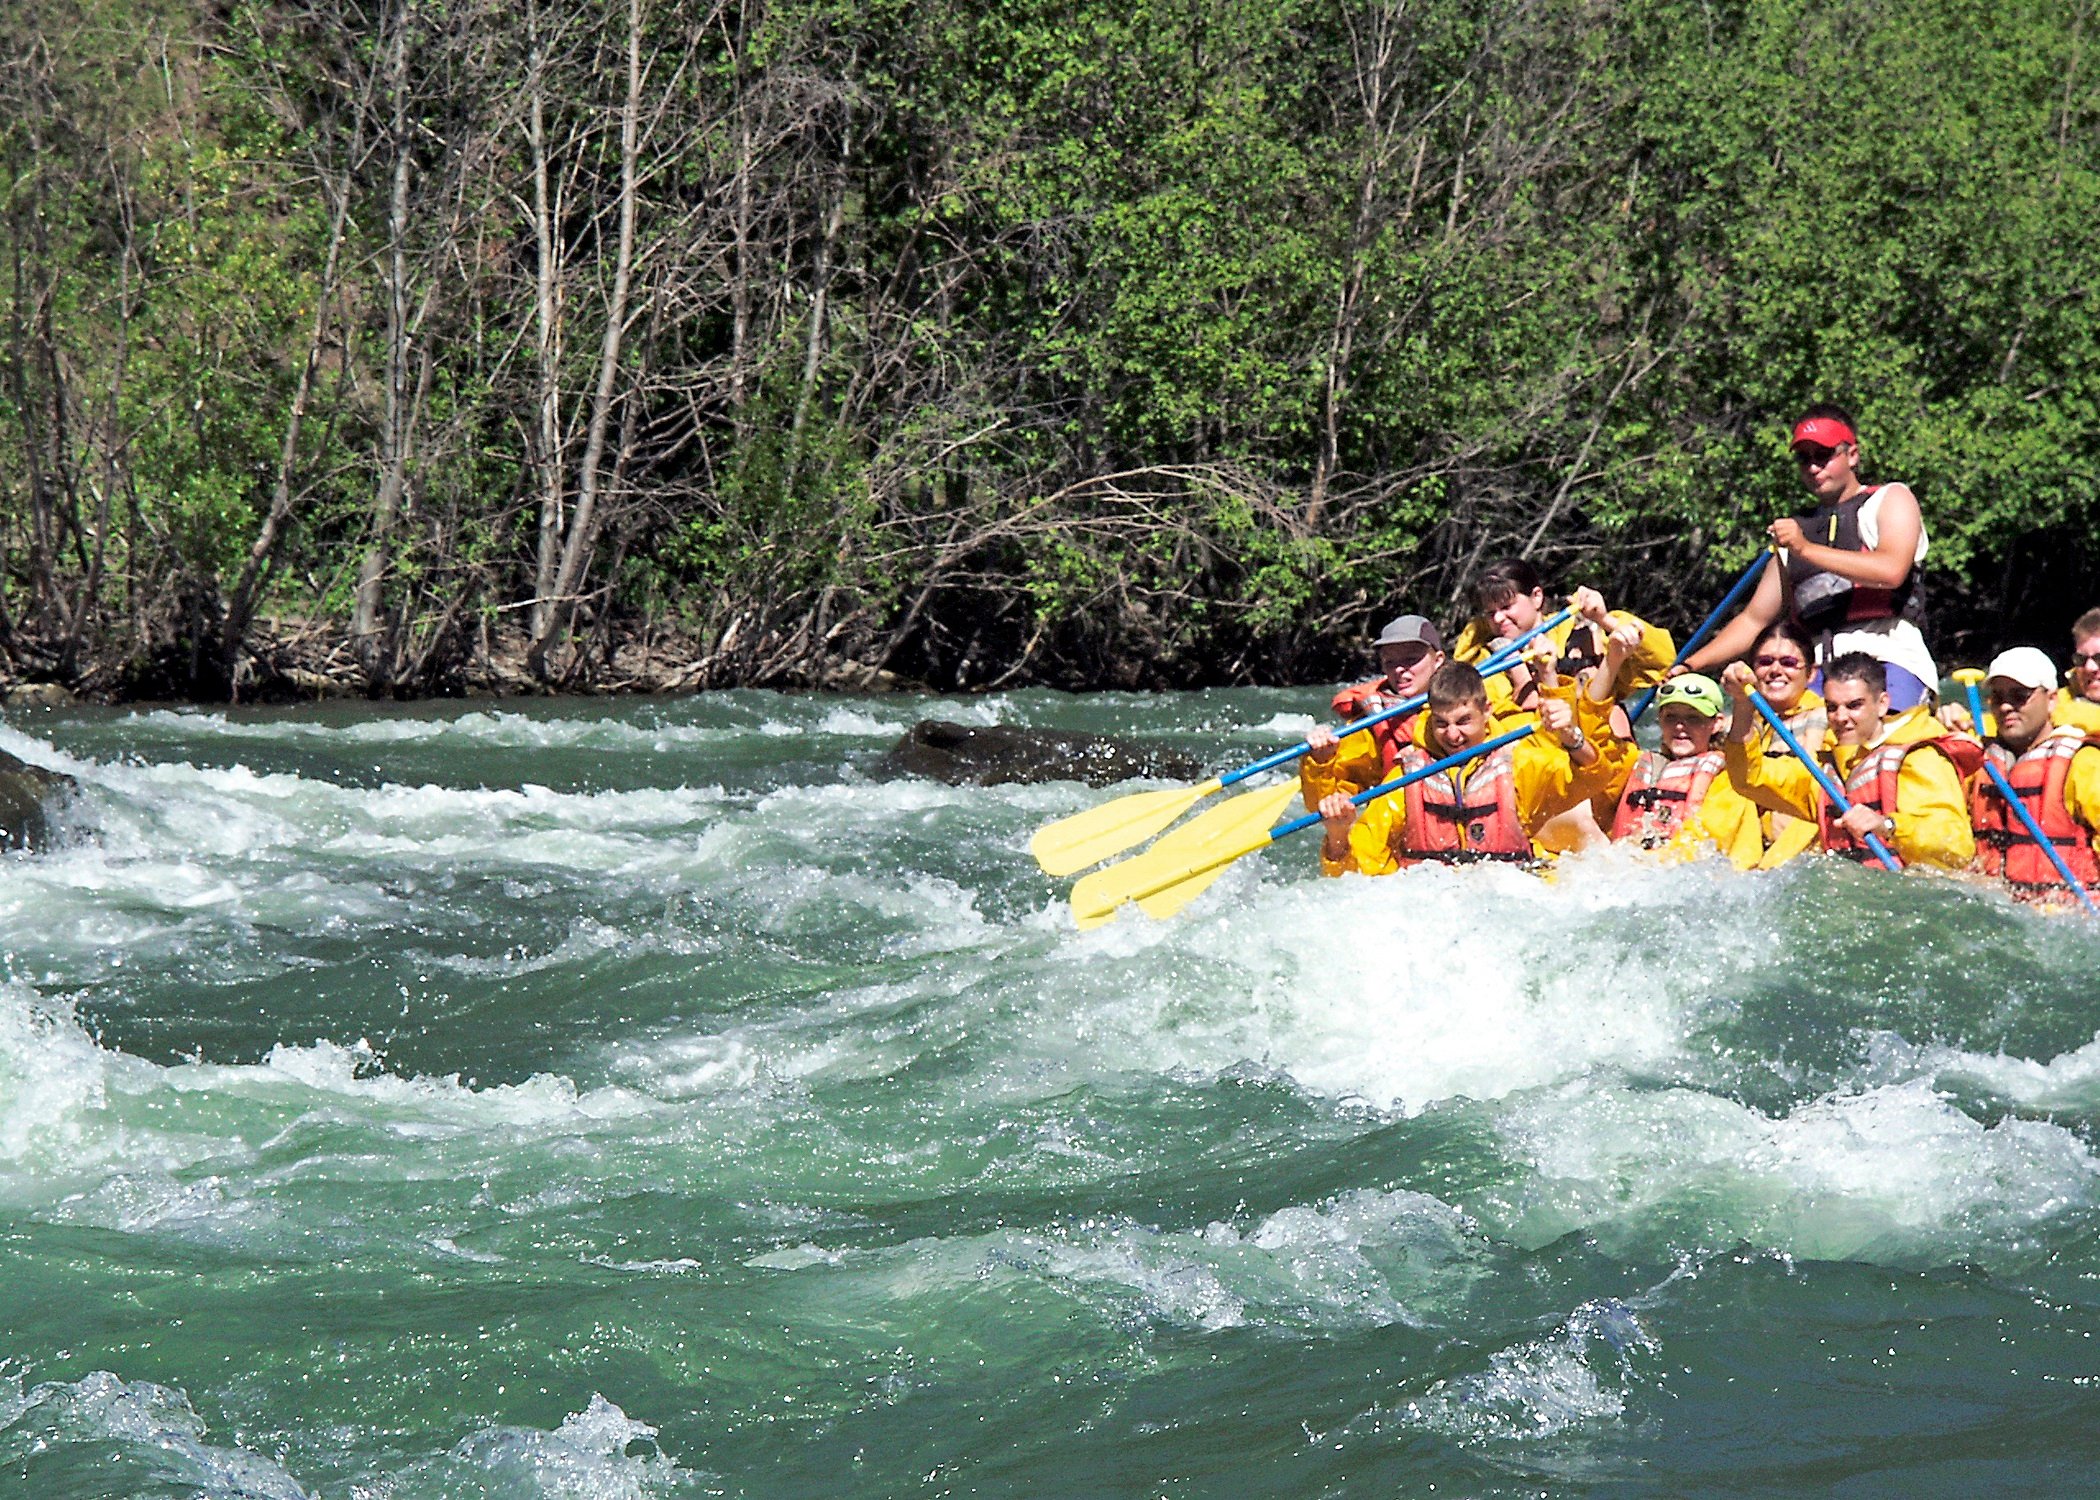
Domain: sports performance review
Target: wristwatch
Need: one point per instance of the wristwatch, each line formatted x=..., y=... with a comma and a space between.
x=1581, y=739
x=1888, y=828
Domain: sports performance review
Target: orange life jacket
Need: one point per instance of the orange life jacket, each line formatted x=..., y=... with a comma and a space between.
x=1662, y=795
x=2003, y=844
x=1873, y=784
x=1443, y=825
x=1376, y=696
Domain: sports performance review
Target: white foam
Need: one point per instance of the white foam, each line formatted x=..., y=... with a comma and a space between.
x=1351, y=1262
x=1427, y=986
x=851, y=723
x=1540, y=1388
x=2069, y=1082
x=56, y=1089
x=1894, y=1174
x=152, y=1428
x=500, y=729
x=599, y=1453
x=95, y=1136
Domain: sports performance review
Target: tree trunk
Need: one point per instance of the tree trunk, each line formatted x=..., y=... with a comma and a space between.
x=576, y=546
x=368, y=625
x=262, y=553
x=546, y=343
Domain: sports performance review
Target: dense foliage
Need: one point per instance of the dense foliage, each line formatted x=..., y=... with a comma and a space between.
x=427, y=343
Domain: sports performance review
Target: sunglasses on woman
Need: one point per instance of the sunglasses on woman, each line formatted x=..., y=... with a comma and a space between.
x=1785, y=663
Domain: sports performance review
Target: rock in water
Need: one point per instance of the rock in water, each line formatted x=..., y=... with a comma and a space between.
x=988, y=755
x=27, y=795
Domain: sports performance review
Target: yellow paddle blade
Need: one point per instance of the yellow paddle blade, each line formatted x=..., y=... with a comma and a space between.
x=1191, y=856
x=1086, y=838
x=1205, y=846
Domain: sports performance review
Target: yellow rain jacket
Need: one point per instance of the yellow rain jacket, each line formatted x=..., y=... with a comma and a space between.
x=2071, y=712
x=1599, y=783
x=1932, y=803
x=1539, y=765
x=1356, y=764
x=1786, y=833
x=2082, y=787
x=1727, y=821
x=1645, y=668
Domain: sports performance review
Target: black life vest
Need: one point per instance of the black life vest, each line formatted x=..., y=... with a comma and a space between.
x=1819, y=601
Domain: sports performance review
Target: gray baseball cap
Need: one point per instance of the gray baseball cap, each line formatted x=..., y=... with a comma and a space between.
x=1407, y=630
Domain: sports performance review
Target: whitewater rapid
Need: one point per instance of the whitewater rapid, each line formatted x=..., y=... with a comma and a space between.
x=577, y=1099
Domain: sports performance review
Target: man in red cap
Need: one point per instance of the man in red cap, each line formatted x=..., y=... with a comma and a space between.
x=1845, y=574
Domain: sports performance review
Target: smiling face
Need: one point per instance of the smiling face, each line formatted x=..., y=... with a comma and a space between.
x=1781, y=666
x=1685, y=730
x=1408, y=666
x=2085, y=668
x=1855, y=710
x=1517, y=613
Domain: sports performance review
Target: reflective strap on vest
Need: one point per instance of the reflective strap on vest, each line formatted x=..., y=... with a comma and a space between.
x=1872, y=784
x=1663, y=794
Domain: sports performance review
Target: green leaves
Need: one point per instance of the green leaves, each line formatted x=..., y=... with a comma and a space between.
x=1159, y=338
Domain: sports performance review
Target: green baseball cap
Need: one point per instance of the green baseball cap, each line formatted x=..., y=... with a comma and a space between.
x=1701, y=694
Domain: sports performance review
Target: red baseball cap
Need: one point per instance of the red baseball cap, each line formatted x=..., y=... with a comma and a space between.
x=1825, y=432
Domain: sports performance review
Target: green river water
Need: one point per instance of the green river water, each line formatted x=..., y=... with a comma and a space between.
x=637, y=1099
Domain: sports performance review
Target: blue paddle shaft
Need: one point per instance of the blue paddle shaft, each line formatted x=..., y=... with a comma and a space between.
x=1386, y=788
x=1698, y=637
x=2019, y=807
x=1831, y=789
x=1500, y=660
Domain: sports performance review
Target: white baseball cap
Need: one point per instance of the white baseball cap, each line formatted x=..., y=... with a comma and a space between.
x=2026, y=665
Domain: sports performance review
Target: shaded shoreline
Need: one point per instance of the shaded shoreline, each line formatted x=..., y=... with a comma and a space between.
x=292, y=661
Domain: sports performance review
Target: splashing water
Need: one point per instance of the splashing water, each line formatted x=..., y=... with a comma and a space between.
x=393, y=1101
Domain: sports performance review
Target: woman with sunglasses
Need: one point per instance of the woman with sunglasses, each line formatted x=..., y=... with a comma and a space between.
x=1846, y=572
x=1782, y=662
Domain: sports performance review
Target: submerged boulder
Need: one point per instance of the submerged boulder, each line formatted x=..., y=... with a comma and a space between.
x=992, y=754
x=27, y=796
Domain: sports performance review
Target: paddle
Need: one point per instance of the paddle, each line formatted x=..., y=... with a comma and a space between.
x=1163, y=885
x=1831, y=789
x=1698, y=637
x=1969, y=678
x=1086, y=838
x=1230, y=823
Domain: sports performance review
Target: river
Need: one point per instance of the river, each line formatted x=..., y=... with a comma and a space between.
x=637, y=1099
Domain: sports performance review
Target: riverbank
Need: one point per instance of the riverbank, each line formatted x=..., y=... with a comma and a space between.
x=294, y=659
x=301, y=661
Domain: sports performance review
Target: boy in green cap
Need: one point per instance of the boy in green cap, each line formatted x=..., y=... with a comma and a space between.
x=1677, y=797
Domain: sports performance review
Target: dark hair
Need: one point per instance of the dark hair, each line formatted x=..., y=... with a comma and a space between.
x=1502, y=580
x=2085, y=625
x=1829, y=411
x=1782, y=629
x=1857, y=666
x=1454, y=683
